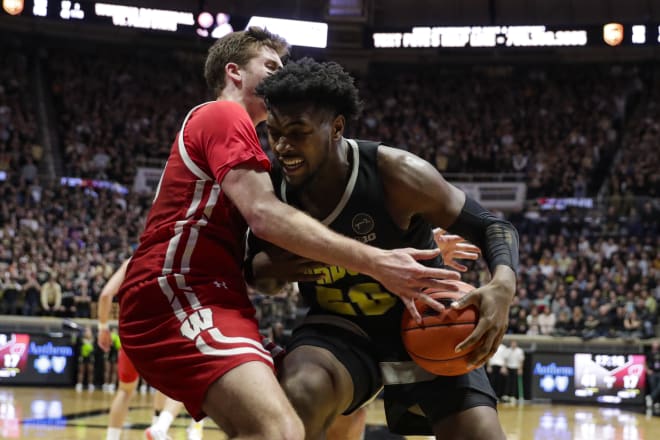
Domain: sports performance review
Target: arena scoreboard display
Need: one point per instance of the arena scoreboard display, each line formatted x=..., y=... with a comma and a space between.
x=36, y=359
x=124, y=14
x=192, y=20
x=589, y=377
x=469, y=37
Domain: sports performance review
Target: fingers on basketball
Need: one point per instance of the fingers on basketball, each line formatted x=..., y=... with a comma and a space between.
x=431, y=343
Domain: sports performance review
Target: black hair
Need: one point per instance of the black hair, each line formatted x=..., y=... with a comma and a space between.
x=326, y=84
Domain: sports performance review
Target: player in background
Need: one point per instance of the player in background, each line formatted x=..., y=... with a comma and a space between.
x=184, y=286
x=349, y=344
x=86, y=361
x=165, y=409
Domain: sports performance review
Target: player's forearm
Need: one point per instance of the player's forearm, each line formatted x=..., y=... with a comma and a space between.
x=505, y=277
x=497, y=239
x=300, y=234
x=104, y=306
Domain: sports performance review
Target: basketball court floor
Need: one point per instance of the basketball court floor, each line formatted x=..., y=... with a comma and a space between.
x=61, y=413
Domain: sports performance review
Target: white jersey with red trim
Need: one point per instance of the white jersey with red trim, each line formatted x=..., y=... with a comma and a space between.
x=194, y=234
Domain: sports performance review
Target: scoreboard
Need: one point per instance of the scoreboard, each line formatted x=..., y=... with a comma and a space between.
x=36, y=359
x=589, y=377
x=610, y=378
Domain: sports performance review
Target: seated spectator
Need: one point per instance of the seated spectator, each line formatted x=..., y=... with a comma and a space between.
x=32, y=300
x=547, y=321
x=51, y=297
x=533, y=325
x=632, y=325
x=518, y=325
x=576, y=325
x=11, y=291
x=563, y=324
x=68, y=299
x=83, y=300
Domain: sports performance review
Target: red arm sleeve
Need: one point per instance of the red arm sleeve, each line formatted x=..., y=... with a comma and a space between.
x=219, y=136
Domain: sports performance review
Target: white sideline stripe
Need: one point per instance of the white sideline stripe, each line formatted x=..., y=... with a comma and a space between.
x=167, y=290
x=199, y=193
x=190, y=246
x=190, y=294
x=174, y=302
x=178, y=310
x=188, y=250
x=188, y=162
x=173, y=246
x=213, y=199
x=204, y=348
x=217, y=336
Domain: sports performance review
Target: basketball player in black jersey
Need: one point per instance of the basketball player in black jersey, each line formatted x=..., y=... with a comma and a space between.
x=349, y=345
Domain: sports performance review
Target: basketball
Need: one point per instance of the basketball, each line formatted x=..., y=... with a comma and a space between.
x=431, y=344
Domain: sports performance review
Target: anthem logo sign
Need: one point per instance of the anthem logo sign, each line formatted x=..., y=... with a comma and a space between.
x=553, y=375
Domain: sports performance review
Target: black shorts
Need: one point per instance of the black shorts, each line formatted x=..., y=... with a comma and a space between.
x=112, y=356
x=86, y=360
x=438, y=398
x=351, y=350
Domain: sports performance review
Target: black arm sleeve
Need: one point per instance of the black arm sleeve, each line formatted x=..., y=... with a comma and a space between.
x=497, y=239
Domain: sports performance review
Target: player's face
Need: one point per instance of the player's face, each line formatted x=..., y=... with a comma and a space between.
x=301, y=138
x=264, y=64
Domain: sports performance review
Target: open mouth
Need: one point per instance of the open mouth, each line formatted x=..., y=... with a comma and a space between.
x=291, y=164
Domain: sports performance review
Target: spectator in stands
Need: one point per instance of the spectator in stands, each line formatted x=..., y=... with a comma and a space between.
x=533, y=325
x=68, y=309
x=632, y=325
x=576, y=324
x=32, y=295
x=520, y=325
x=563, y=324
x=11, y=291
x=560, y=305
x=83, y=300
x=51, y=297
x=547, y=321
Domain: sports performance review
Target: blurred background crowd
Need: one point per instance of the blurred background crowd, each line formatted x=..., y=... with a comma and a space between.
x=580, y=131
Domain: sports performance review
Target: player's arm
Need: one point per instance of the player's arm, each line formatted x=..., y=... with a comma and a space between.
x=271, y=220
x=414, y=187
x=269, y=268
x=105, y=304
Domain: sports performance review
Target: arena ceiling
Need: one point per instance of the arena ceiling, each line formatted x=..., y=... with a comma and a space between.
x=450, y=12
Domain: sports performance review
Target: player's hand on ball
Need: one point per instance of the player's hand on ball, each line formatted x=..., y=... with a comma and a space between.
x=493, y=301
x=455, y=247
x=400, y=273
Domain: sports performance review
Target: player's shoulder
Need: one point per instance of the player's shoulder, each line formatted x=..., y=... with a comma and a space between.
x=219, y=109
x=395, y=161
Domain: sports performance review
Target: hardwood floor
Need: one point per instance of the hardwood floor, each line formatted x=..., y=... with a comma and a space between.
x=61, y=413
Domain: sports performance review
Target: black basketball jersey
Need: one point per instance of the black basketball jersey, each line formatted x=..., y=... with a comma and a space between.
x=361, y=214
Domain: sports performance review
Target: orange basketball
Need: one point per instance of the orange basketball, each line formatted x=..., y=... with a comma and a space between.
x=431, y=344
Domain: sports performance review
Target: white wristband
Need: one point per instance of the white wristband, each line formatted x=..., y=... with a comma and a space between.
x=103, y=326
